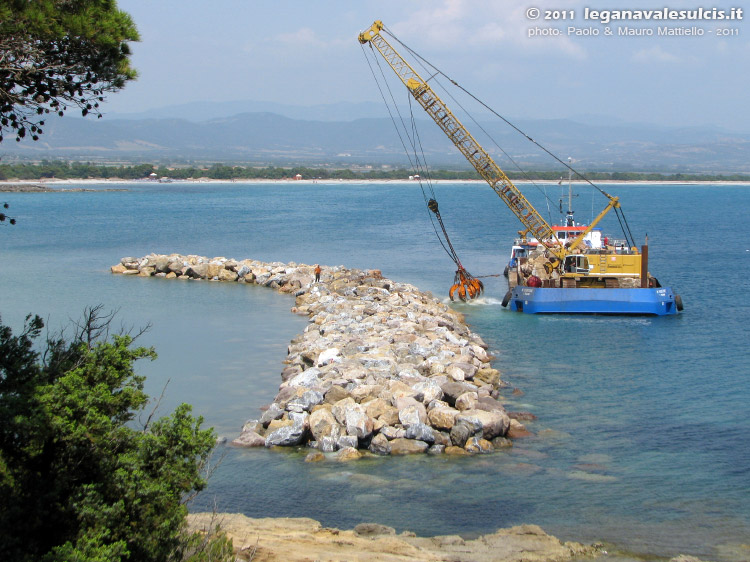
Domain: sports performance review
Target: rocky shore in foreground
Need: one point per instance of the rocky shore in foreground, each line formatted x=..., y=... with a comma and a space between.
x=381, y=368
x=285, y=539
x=302, y=540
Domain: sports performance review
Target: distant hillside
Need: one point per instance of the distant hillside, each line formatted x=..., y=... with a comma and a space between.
x=272, y=138
x=203, y=111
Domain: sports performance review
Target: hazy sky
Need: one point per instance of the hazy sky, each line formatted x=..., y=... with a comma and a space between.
x=305, y=52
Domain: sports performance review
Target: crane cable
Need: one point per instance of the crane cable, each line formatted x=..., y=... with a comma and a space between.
x=431, y=201
x=447, y=92
x=465, y=285
x=618, y=211
x=432, y=204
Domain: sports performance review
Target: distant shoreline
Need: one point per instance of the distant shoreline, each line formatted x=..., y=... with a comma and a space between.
x=56, y=185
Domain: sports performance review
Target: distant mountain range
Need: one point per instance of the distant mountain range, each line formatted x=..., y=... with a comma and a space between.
x=358, y=134
x=205, y=110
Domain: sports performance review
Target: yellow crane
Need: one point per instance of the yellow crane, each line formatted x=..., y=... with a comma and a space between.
x=588, y=271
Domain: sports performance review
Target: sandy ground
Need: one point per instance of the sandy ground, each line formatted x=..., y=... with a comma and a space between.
x=306, y=540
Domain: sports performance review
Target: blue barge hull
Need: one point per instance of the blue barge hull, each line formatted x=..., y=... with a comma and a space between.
x=653, y=301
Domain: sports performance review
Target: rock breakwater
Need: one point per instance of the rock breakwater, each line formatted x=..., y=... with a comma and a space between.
x=381, y=367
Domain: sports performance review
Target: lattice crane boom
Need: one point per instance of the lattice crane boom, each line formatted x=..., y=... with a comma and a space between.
x=482, y=162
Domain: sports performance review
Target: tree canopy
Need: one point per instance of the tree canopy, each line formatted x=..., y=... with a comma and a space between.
x=80, y=170
x=79, y=480
x=60, y=54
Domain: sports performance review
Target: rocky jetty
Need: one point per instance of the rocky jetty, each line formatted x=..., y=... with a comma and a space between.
x=23, y=188
x=381, y=367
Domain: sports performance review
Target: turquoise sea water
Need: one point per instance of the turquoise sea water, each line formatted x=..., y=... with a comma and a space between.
x=643, y=430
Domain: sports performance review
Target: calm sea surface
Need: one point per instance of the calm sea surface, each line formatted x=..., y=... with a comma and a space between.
x=643, y=431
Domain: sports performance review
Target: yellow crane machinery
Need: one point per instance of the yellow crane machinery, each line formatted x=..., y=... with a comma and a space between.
x=534, y=223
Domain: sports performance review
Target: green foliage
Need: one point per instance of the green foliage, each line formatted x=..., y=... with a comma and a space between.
x=211, y=546
x=81, y=170
x=59, y=54
x=78, y=480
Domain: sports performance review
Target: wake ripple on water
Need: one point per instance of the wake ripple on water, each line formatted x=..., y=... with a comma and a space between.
x=479, y=301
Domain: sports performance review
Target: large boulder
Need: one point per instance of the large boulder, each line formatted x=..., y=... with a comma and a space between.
x=412, y=414
x=347, y=441
x=324, y=424
x=488, y=376
x=396, y=390
x=402, y=446
x=380, y=445
x=339, y=408
x=462, y=431
x=213, y=270
x=492, y=424
x=467, y=401
x=442, y=417
x=328, y=444
x=305, y=402
x=377, y=407
x=455, y=373
x=274, y=412
x=249, y=438
x=336, y=393
x=197, y=271
x=468, y=369
x=286, y=436
x=478, y=445
x=328, y=356
x=346, y=454
x=489, y=404
x=389, y=416
x=289, y=435
x=392, y=432
x=287, y=393
x=176, y=266
x=309, y=378
x=428, y=391
x=452, y=390
x=364, y=392
x=421, y=432
x=161, y=264
x=244, y=272
x=227, y=275
x=353, y=417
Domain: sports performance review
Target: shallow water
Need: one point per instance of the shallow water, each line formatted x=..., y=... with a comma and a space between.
x=643, y=433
